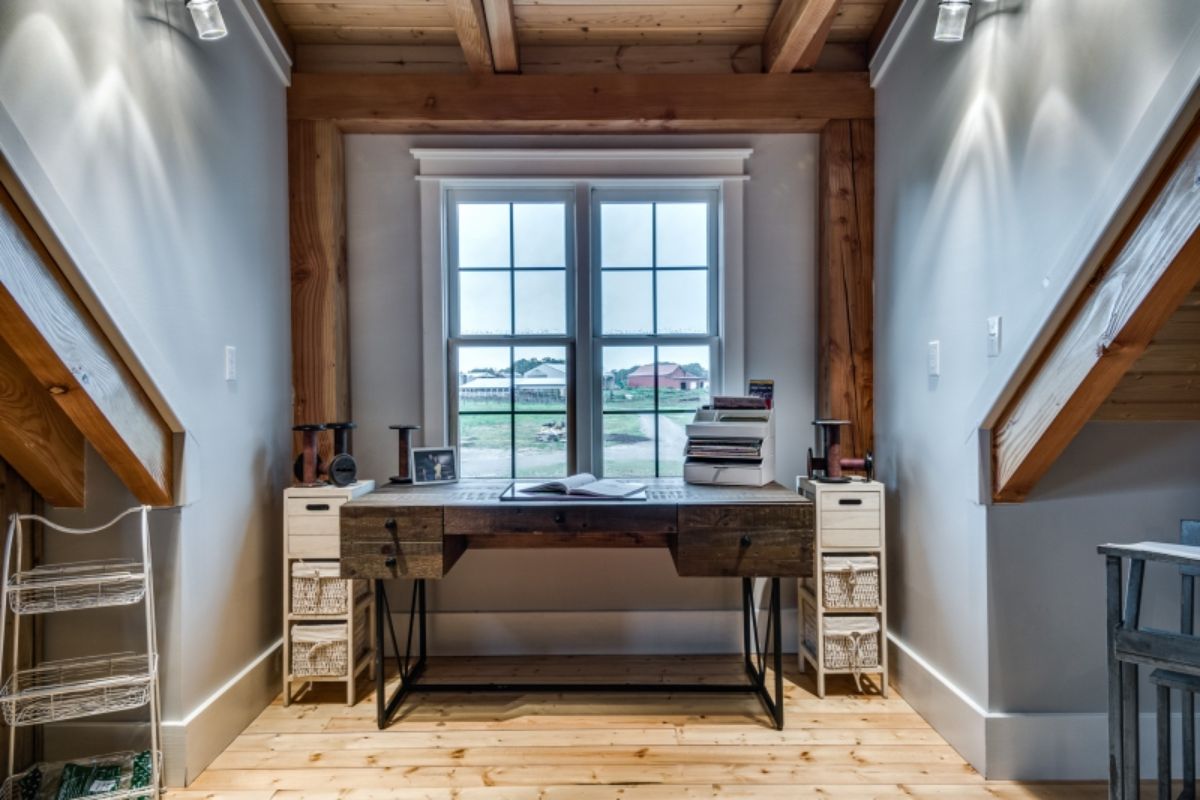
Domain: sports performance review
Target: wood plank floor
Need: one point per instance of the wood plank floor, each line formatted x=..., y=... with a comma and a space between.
x=601, y=747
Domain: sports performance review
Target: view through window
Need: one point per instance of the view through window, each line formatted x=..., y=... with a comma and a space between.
x=518, y=405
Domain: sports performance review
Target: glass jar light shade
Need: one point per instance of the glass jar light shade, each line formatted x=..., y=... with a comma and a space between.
x=952, y=20
x=206, y=14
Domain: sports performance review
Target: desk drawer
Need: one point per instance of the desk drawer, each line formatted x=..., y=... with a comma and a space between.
x=325, y=546
x=850, y=501
x=628, y=525
x=380, y=544
x=764, y=540
x=850, y=538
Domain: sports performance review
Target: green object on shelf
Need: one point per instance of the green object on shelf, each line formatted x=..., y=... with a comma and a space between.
x=88, y=780
x=29, y=787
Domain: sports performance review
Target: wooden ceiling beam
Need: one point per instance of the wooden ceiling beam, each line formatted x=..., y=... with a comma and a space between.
x=50, y=330
x=36, y=438
x=502, y=32
x=797, y=34
x=1142, y=280
x=607, y=103
x=887, y=15
x=471, y=26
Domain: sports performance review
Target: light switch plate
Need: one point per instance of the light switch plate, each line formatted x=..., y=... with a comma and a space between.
x=993, y=337
x=935, y=358
x=230, y=363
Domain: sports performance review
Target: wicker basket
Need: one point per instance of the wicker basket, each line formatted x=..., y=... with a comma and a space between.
x=320, y=650
x=851, y=643
x=850, y=581
x=317, y=589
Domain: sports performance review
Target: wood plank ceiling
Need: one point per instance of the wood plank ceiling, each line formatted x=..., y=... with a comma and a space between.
x=582, y=35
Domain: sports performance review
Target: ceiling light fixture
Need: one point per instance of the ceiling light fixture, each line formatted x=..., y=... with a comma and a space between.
x=206, y=14
x=952, y=20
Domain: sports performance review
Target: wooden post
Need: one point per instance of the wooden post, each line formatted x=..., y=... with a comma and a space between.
x=320, y=335
x=846, y=280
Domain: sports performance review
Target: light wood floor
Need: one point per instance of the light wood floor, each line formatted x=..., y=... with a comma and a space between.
x=601, y=747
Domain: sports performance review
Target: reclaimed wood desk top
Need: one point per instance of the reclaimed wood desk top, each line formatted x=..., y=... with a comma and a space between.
x=420, y=531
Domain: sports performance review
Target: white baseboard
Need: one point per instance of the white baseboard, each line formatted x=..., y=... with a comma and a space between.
x=1020, y=746
x=515, y=633
x=950, y=711
x=190, y=744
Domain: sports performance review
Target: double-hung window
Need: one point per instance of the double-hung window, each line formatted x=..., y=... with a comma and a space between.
x=538, y=389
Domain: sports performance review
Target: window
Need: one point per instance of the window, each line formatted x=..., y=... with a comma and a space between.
x=511, y=274
x=519, y=408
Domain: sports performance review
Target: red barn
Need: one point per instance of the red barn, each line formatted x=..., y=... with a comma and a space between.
x=670, y=376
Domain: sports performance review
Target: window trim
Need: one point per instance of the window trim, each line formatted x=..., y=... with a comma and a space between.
x=439, y=170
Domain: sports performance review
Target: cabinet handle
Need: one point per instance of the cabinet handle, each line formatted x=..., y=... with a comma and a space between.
x=745, y=542
x=849, y=501
x=558, y=518
x=390, y=561
x=390, y=523
x=317, y=507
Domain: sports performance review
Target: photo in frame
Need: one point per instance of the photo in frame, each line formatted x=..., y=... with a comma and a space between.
x=434, y=465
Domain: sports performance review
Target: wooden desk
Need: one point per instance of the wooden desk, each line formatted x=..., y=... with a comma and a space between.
x=419, y=533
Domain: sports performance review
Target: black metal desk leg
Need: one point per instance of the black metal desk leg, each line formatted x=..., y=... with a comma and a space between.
x=777, y=613
x=1116, y=761
x=380, y=604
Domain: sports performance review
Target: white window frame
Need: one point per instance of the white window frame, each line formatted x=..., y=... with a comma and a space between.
x=722, y=170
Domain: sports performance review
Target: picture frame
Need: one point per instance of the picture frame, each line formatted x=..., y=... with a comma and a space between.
x=430, y=465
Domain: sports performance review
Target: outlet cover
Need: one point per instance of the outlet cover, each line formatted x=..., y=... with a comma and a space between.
x=230, y=363
x=935, y=358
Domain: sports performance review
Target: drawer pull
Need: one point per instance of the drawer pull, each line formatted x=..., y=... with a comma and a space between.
x=558, y=518
x=850, y=501
x=390, y=523
x=317, y=507
x=745, y=542
x=390, y=561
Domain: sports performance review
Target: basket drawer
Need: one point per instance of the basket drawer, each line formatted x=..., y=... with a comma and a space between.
x=317, y=589
x=850, y=582
x=323, y=650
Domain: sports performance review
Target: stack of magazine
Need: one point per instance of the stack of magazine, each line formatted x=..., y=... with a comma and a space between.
x=732, y=442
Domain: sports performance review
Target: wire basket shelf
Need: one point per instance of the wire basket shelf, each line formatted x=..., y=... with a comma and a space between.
x=80, y=687
x=116, y=776
x=69, y=587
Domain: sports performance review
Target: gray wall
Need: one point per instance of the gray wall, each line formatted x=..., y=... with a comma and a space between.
x=1000, y=162
x=385, y=303
x=162, y=160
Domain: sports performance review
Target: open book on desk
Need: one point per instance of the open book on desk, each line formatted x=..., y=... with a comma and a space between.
x=584, y=486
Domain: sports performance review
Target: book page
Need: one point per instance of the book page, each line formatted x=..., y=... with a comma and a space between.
x=563, y=485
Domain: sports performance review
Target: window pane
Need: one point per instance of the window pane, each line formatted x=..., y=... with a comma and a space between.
x=683, y=377
x=682, y=234
x=626, y=300
x=541, y=302
x=672, y=439
x=483, y=303
x=485, y=445
x=541, y=378
x=539, y=235
x=628, y=378
x=625, y=235
x=628, y=445
x=683, y=301
x=541, y=445
x=483, y=380
x=483, y=235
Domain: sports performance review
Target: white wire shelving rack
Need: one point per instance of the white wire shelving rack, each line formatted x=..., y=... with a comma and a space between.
x=80, y=687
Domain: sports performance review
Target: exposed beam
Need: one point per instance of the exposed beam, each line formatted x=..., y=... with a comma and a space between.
x=886, y=16
x=845, y=280
x=471, y=27
x=797, y=33
x=36, y=437
x=502, y=32
x=279, y=27
x=581, y=103
x=1142, y=280
x=320, y=317
x=49, y=329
